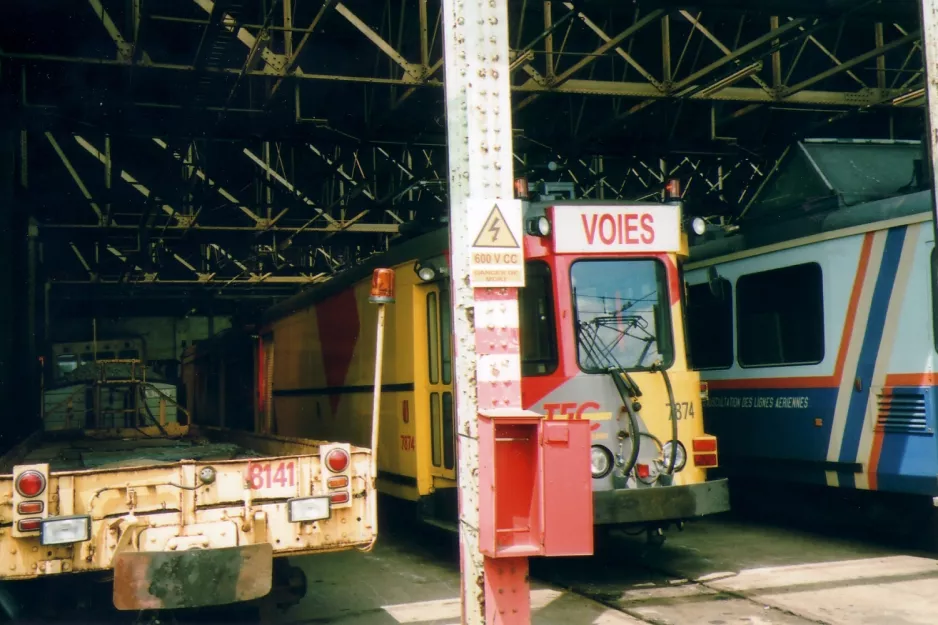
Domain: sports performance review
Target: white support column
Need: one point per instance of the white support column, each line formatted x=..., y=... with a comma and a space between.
x=930, y=60
x=478, y=112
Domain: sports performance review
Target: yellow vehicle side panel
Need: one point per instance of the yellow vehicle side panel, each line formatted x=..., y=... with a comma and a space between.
x=304, y=405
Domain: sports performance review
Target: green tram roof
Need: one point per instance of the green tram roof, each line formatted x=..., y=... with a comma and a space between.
x=824, y=186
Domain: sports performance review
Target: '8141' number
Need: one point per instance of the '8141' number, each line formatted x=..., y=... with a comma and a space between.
x=263, y=475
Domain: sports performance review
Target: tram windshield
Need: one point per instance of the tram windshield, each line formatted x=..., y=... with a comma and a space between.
x=622, y=314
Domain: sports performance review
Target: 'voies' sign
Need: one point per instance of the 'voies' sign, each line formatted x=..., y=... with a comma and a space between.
x=625, y=228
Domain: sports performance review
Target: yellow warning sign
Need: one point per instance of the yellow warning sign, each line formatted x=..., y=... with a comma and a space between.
x=496, y=257
x=495, y=232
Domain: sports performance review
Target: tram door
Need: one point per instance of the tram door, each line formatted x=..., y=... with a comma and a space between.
x=434, y=385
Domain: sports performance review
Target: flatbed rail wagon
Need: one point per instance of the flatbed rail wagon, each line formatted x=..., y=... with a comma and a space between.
x=120, y=483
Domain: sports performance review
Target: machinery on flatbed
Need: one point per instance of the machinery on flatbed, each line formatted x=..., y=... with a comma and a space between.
x=121, y=483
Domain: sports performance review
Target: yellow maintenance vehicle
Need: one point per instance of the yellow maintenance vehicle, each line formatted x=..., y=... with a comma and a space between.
x=121, y=483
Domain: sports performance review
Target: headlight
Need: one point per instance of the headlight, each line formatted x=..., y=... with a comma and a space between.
x=308, y=509
x=426, y=273
x=679, y=461
x=538, y=226
x=65, y=530
x=543, y=226
x=600, y=461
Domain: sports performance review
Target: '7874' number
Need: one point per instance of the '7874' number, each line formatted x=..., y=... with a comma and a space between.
x=263, y=475
x=682, y=409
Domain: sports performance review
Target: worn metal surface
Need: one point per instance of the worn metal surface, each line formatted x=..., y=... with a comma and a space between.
x=662, y=503
x=86, y=453
x=194, y=578
x=479, y=132
x=170, y=507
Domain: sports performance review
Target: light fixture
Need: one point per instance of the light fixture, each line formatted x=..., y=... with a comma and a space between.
x=699, y=226
x=600, y=461
x=538, y=226
x=432, y=268
x=669, y=448
x=65, y=530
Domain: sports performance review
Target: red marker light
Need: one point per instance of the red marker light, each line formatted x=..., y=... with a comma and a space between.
x=337, y=460
x=673, y=190
x=704, y=444
x=703, y=461
x=521, y=188
x=29, y=507
x=29, y=525
x=339, y=498
x=337, y=482
x=30, y=483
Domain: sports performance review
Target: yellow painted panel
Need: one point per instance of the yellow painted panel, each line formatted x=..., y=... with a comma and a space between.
x=656, y=414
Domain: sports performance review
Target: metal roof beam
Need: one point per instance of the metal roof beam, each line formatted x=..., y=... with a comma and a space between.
x=273, y=63
x=294, y=53
x=737, y=54
x=182, y=220
x=349, y=225
x=571, y=86
x=915, y=35
x=288, y=185
x=125, y=50
x=413, y=70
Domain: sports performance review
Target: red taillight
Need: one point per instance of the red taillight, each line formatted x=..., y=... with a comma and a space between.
x=707, y=444
x=703, y=461
x=642, y=470
x=29, y=525
x=339, y=498
x=337, y=460
x=337, y=482
x=29, y=507
x=30, y=483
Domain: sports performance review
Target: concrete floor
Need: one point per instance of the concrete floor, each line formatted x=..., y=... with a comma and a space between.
x=716, y=572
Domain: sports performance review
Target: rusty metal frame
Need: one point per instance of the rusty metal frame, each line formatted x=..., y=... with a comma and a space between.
x=560, y=50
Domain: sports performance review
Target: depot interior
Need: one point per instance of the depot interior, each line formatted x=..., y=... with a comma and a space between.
x=171, y=170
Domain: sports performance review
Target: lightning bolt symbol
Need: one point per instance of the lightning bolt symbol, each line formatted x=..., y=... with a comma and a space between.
x=495, y=228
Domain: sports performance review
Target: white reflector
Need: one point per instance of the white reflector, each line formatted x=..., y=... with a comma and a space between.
x=308, y=509
x=66, y=530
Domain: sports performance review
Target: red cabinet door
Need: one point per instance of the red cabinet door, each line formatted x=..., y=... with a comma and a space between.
x=567, y=488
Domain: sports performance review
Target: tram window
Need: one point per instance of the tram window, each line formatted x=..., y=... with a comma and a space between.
x=622, y=314
x=449, y=433
x=433, y=339
x=710, y=326
x=780, y=316
x=128, y=354
x=538, y=331
x=436, y=427
x=446, y=337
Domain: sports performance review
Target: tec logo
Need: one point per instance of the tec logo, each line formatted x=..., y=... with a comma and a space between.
x=572, y=410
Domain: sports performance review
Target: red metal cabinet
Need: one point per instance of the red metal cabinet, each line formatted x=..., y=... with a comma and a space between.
x=567, y=488
x=535, y=487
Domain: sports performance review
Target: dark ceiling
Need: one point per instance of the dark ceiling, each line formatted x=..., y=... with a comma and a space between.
x=234, y=150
